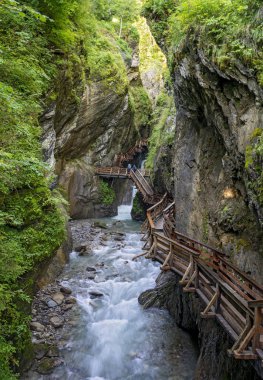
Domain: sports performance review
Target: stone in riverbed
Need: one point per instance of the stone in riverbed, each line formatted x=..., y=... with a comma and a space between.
x=51, y=303
x=95, y=294
x=68, y=306
x=105, y=238
x=91, y=275
x=100, y=224
x=58, y=298
x=46, y=365
x=119, y=238
x=118, y=223
x=80, y=248
x=40, y=350
x=36, y=326
x=100, y=264
x=71, y=300
x=91, y=269
x=65, y=290
x=53, y=352
x=56, y=321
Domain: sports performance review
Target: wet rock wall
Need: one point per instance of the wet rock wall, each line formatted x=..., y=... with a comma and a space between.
x=206, y=168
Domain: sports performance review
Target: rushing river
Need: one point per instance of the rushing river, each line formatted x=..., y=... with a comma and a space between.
x=113, y=337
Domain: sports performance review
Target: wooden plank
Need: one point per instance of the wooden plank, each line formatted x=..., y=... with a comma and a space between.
x=233, y=311
x=245, y=355
x=231, y=320
x=234, y=286
x=260, y=353
x=227, y=327
x=242, y=285
x=210, y=304
x=227, y=289
x=202, y=296
x=255, y=303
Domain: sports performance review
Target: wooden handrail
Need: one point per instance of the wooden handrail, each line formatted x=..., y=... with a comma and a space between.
x=230, y=295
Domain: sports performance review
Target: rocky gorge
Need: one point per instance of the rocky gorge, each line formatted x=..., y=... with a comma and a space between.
x=98, y=83
x=204, y=170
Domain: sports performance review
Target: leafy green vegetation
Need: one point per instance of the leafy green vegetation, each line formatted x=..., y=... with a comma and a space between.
x=138, y=212
x=253, y=164
x=162, y=132
x=227, y=30
x=107, y=194
x=141, y=105
x=40, y=39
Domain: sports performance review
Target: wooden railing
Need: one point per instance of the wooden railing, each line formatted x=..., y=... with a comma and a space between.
x=115, y=171
x=129, y=155
x=136, y=176
x=229, y=294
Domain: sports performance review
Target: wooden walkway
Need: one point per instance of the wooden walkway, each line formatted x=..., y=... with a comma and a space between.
x=228, y=294
x=139, y=146
x=138, y=177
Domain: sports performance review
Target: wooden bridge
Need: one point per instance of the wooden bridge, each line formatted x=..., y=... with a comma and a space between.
x=228, y=294
x=138, y=177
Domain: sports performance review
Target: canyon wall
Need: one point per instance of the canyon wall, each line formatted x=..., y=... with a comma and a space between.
x=86, y=127
x=211, y=168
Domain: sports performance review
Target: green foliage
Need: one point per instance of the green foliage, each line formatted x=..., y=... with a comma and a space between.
x=39, y=39
x=137, y=208
x=152, y=58
x=141, y=105
x=107, y=194
x=228, y=29
x=105, y=62
x=158, y=12
x=253, y=164
x=161, y=133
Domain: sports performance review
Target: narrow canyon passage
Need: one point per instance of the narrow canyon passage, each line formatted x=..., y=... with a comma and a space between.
x=110, y=336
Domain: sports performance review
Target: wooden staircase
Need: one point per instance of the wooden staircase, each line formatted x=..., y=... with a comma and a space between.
x=139, y=146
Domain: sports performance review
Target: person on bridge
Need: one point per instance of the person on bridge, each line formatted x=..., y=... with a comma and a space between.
x=129, y=168
x=134, y=168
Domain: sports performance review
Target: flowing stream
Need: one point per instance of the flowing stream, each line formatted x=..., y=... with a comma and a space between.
x=113, y=337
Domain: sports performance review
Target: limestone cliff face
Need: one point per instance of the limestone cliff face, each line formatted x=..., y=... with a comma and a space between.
x=217, y=113
x=87, y=126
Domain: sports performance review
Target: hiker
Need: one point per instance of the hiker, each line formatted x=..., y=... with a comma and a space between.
x=134, y=168
x=129, y=168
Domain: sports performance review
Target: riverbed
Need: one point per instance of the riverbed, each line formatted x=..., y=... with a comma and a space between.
x=108, y=335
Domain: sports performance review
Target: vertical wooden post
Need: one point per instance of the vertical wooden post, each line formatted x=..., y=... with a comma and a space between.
x=197, y=275
x=218, y=300
x=257, y=324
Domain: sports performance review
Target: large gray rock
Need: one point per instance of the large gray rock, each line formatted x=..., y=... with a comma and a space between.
x=58, y=298
x=36, y=326
x=57, y=321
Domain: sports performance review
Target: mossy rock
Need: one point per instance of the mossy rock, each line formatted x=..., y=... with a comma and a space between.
x=47, y=365
x=100, y=224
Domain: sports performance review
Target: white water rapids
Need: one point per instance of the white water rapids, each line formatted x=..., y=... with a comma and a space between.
x=113, y=337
